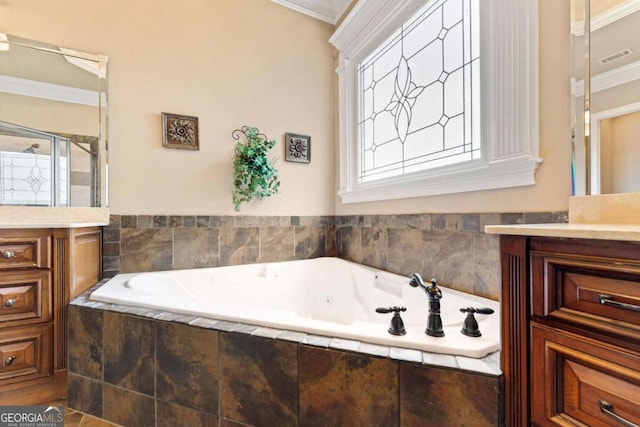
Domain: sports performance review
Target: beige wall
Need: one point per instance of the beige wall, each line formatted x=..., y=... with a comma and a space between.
x=49, y=116
x=601, y=101
x=255, y=62
x=231, y=63
x=624, y=153
x=606, y=151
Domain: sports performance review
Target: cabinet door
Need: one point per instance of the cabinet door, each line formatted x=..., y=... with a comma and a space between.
x=85, y=252
x=578, y=381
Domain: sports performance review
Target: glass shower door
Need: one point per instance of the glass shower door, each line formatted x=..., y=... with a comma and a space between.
x=34, y=167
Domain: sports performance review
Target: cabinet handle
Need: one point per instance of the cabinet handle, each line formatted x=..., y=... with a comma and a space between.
x=607, y=408
x=608, y=299
x=9, y=360
x=10, y=302
x=8, y=254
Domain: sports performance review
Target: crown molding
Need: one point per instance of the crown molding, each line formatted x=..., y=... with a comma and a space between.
x=53, y=92
x=361, y=26
x=340, y=7
x=323, y=10
x=608, y=17
x=617, y=76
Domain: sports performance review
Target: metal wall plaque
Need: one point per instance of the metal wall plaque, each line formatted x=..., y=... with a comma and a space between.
x=297, y=148
x=180, y=131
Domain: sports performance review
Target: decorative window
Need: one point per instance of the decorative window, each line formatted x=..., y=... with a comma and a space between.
x=419, y=93
x=25, y=179
x=34, y=167
x=436, y=97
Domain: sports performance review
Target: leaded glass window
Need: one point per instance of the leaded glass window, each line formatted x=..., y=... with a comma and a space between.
x=25, y=179
x=419, y=93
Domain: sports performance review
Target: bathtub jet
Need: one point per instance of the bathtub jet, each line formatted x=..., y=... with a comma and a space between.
x=323, y=296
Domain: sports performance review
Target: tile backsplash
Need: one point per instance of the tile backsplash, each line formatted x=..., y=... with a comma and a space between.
x=452, y=248
x=134, y=243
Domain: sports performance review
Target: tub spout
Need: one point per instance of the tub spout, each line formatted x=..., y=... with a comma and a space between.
x=416, y=280
x=434, y=321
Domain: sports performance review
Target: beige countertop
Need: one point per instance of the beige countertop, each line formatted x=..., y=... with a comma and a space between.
x=50, y=217
x=627, y=232
x=603, y=217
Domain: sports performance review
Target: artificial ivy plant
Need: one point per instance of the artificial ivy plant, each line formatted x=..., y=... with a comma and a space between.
x=254, y=175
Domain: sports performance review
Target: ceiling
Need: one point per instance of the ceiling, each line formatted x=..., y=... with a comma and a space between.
x=597, y=6
x=614, y=38
x=326, y=10
x=613, y=26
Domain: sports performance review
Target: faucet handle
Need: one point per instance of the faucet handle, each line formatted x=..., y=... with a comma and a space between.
x=470, y=325
x=482, y=310
x=394, y=309
x=397, y=325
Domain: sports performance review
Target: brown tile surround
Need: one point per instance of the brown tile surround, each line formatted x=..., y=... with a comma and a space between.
x=434, y=395
x=341, y=388
x=138, y=367
x=450, y=247
x=258, y=380
x=210, y=373
x=185, y=372
x=129, y=352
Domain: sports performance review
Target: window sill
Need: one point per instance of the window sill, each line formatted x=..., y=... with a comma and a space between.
x=512, y=172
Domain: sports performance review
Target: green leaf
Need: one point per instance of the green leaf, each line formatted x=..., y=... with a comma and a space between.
x=254, y=175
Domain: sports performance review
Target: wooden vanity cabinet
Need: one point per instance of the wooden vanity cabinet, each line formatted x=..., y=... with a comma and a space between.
x=41, y=270
x=570, y=331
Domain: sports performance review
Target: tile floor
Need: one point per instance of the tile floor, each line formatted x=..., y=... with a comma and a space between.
x=73, y=418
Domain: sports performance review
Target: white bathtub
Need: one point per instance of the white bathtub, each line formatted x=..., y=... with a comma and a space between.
x=324, y=296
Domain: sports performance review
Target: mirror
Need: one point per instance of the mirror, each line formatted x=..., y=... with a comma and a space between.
x=606, y=89
x=53, y=121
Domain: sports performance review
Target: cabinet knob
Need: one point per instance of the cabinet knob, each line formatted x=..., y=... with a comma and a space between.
x=9, y=360
x=10, y=302
x=8, y=254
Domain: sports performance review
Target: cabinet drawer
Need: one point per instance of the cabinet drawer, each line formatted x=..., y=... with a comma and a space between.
x=25, y=296
x=24, y=252
x=24, y=353
x=578, y=381
x=599, y=294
